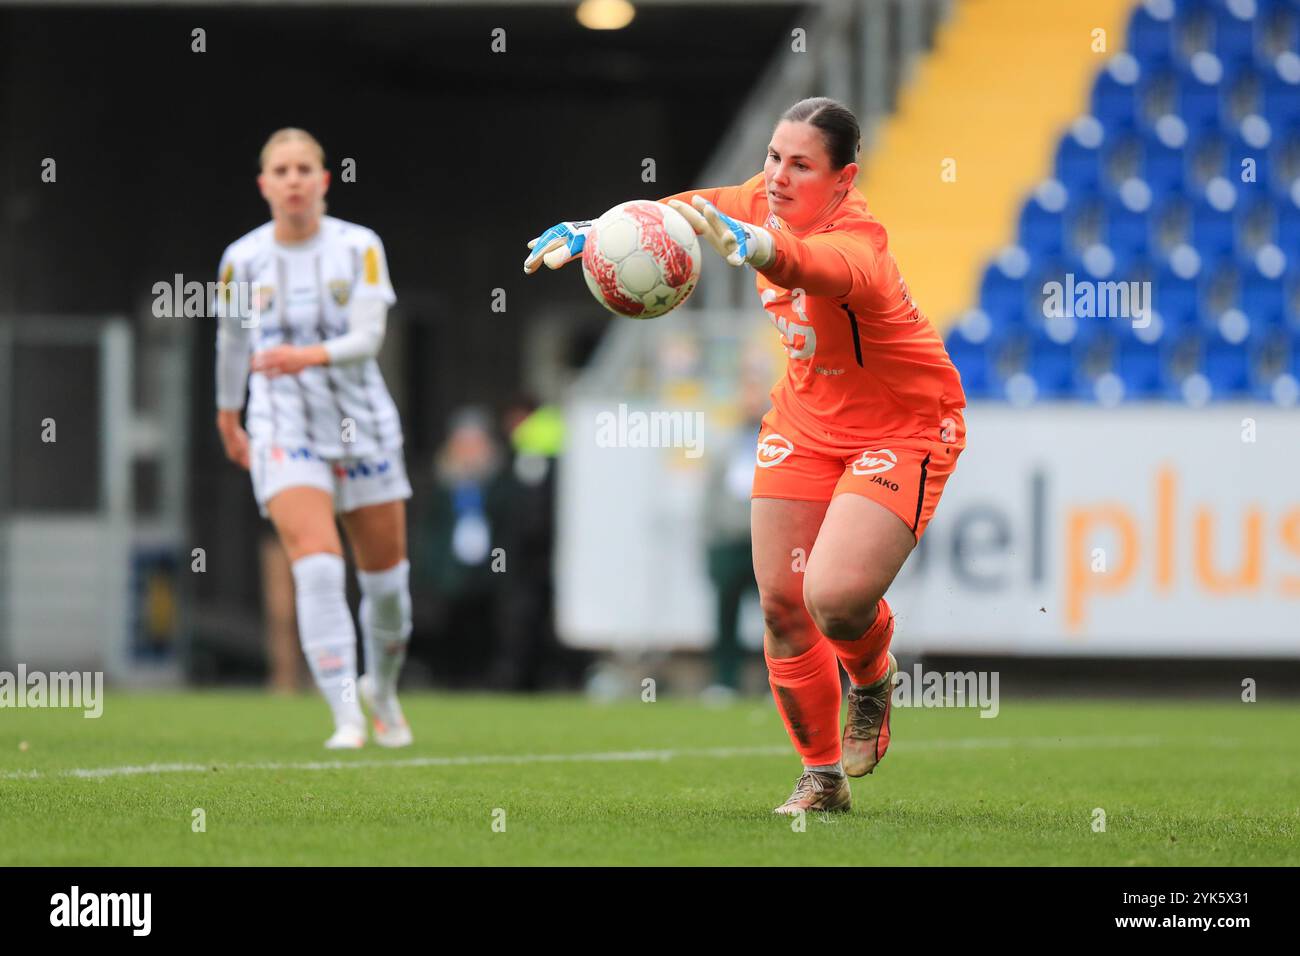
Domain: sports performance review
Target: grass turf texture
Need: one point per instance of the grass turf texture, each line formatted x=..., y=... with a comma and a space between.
x=1186, y=783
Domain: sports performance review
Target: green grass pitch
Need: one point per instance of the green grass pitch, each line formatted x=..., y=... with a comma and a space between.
x=670, y=782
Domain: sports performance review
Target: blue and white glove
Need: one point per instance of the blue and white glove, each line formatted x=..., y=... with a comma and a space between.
x=740, y=243
x=557, y=245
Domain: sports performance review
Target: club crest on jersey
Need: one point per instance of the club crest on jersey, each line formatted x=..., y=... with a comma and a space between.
x=340, y=290
x=263, y=298
x=874, y=462
x=773, y=450
x=227, y=287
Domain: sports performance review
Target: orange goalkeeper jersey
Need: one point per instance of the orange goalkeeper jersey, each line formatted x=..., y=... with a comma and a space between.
x=864, y=362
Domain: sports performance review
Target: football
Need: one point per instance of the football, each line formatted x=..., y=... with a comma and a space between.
x=641, y=259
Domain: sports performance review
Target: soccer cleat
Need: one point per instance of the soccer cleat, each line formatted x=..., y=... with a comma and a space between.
x=818, y=792
x=347, y=737
x=866, y=730
x=391, y=729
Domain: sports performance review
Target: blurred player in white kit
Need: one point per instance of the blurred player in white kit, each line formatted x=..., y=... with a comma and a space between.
x=302, y=306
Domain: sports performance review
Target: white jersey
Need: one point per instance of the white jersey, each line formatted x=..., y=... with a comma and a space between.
x=300, y=296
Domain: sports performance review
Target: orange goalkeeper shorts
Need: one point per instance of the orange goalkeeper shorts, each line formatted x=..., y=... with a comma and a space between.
x=905, y=475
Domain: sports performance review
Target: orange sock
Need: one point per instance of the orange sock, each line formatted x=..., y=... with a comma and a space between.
x=807, y=692
x=864, y=658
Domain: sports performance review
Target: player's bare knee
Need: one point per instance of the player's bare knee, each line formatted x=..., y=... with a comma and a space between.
x=837, y=626
x=841, y=613
x=302, y=545
x=783, y=614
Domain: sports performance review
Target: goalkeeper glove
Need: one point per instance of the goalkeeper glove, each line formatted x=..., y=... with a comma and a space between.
x=738, y=242
x=557, y=245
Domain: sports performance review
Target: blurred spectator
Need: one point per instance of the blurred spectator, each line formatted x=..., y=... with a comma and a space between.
x=531, y=657
x=456, y=545
x=726, y=517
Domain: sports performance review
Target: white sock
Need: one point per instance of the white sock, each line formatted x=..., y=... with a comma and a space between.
x=385, y=623
x=328, y=636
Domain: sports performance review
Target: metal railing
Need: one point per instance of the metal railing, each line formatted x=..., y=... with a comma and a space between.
x=72, y=544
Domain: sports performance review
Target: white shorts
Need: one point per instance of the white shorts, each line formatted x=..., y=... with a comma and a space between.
x=352, y=482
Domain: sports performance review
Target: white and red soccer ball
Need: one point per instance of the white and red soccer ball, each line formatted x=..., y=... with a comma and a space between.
x=641, y=259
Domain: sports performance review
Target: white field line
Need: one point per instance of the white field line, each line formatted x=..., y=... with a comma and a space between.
x=708, y=753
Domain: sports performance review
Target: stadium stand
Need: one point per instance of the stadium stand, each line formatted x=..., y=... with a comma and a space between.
x=1184, y=183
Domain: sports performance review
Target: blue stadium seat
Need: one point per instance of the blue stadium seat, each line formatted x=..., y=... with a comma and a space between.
x=1206, y=156
x=1220, y=291
x=1164, y=157
x=1095, y=346
x=1085, y=223
x=1078, y=160
x=1051, y=365
x=1256, y=226
x=1271, y=359
x=1128, y=231
x=1121, y=160
x=1195, y=27
x=1268, y=8
x=1041, y=231
x=1275, y=371
x=1115, y=93
x=1288, y=222
x=1235, y=328
x=1213, y=221
x=1003, y=296
x=1263, y=297
x=1200, y=92
x=1284, y=162
x=1278, y=30
x=1009, y=358
x=1281, y=102
x=1141, y=368
x=1177, y=296
x=1213, y=232
x=1052, y=274
x=1234, y=38
x=1128, y=259
x=1157, y=95
x=1241, y=96
x=973, y=362
x=1150, y=37
x=1171, y=224
x=1227, y=367
x=1185, y=370
x=1251, y=140
x=1141, y=267
x=1291, y=309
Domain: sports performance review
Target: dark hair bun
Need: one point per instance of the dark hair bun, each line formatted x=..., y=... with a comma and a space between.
x=838, y=125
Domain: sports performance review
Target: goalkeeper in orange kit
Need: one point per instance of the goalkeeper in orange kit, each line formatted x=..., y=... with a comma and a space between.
x=864, y=430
